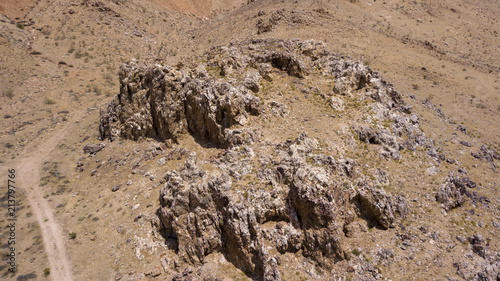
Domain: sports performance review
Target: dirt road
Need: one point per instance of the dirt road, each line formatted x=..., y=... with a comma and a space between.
x=54, y=239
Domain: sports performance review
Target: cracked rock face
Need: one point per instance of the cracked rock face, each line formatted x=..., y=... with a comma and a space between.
x=163, y=103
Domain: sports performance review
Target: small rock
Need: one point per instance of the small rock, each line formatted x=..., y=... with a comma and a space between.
x=432, y=171
x=156, y=272
x=337, y=103
x=464, y=143
x=188, y=270
x=86, y=137
x=161, y=161
x=115, y=188
x=478, y=245
x=93, y=148
x=118, y=276
x=121, y=229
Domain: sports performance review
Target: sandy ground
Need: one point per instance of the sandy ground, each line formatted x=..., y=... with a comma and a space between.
x=54, y=240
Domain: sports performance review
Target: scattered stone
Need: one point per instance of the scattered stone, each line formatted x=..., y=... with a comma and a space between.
x=337, y=103
x=464, y=143
x=93, y=148
x=161, y=161
x=156, y=272
x=121, y=229
x=116, y=188
x=486, y=153
x=432, y=171
x=478, y=245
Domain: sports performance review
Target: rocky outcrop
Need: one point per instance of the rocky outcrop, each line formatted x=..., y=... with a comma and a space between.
x=163, y=103
x=215, y=99
x=259, y=199
x=291, y=205
x=381, y=137
x=453, y=193
x=378, y=204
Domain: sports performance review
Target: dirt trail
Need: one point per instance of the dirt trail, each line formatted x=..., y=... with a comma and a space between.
x=28, y=170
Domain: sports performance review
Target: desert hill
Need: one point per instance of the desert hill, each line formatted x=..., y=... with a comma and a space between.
x=235, y=140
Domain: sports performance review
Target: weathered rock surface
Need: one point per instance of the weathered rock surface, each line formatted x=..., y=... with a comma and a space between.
x=453, y=193
x=163, y=103
x=291, y=206
x=260, y=200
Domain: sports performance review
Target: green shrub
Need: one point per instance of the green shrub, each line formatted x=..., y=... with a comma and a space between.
x=356, y=252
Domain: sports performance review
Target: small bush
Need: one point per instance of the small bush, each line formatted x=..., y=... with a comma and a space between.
x=108, y=78
x=20, y=26
x=96, y=90
x=8, y=93
x=356, y=252
x=46, y=271
x=72, y=235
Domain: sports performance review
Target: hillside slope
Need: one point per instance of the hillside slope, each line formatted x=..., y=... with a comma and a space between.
x=410, y=205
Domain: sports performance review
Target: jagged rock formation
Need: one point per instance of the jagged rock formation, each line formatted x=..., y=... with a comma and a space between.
x=292, y=205
x=261, y=199
x=163, y=103
x=453, y=193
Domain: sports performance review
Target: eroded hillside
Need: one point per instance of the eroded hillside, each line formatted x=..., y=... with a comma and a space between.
x=196, y=141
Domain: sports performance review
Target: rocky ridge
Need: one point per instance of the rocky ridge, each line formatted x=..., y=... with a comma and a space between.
x=260, y=199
